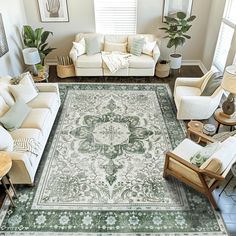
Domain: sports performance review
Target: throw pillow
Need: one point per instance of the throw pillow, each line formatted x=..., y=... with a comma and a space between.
x=200, y=157
x=6, y=94
x=137, y=46
x=92, y=45
x=115, y=47
x=3, y=106
x=6, y=140
x=80, y=47
x=148, y=47
x=16, y=115
x=213, y=83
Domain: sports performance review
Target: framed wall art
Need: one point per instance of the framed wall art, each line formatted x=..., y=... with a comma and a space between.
x=171, y=7
x=3, y=39
x=53, y=10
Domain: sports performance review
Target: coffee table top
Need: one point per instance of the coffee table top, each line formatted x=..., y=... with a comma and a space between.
x=5, y=164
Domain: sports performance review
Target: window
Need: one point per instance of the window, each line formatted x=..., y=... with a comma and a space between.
x=115, y=16
x=226, y=35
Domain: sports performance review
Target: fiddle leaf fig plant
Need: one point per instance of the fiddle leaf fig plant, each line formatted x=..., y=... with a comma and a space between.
x=176, y=29
x=37, y=39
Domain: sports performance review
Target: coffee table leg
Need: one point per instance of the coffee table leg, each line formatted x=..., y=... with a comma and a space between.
x=8, y=192
x=12, y=186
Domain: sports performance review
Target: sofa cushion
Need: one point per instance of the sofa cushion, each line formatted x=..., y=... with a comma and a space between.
x=92, y=45
x=6, y=94
x=115, y=47
x=80, y=47
x=37, y=119
x=116, y=38
x=93, y=61
x=143, y=61
x=44, y=100
x=147, y=37
x=137, y=46
x=27, y=133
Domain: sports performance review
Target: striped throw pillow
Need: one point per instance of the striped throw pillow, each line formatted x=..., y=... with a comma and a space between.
x=137, y=46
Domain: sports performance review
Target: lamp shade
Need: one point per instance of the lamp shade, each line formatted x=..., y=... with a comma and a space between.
x=31, y=56
x=229, y=79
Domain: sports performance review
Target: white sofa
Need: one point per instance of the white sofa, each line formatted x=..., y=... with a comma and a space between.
x=190, y=105
x=93, y=65
x=37, y=125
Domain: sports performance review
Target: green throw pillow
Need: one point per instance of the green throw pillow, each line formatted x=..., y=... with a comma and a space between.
x=92, y=45
x=213, y=83
x=201, y=156
x=15, y=116
x=137, y=46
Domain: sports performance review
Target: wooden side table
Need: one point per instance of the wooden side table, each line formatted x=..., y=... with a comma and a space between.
x=196, y=126
x=5, y=166
x=43, y=74
x=224, y=120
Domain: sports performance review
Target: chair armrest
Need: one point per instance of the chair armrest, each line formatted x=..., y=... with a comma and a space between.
x=156, y=53
x=202, y=137
x=48, y=87
x=73, y=54
x=189, y=81
x=211, y=174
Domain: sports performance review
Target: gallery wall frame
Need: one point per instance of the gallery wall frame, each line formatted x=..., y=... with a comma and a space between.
x=53, y=10
x=3, y=39
x=171, y=7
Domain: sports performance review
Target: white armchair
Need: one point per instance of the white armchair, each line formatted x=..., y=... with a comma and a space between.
x=189, y=103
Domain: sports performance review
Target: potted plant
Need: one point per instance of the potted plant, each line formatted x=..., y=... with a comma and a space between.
x=37, y=39
x=176, y=29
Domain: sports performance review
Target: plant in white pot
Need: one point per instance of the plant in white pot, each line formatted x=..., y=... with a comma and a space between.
x=176, y=29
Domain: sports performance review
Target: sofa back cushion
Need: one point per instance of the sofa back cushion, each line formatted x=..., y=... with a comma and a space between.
x=116, y=38
x=115, y=47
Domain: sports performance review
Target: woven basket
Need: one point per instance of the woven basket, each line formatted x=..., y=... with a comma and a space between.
x=64, y=71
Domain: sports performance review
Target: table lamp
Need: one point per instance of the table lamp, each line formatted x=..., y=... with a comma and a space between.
x=229, y=85
x=31, y=57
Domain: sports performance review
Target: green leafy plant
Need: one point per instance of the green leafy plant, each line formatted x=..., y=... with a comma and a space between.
x=37, y=39
x=176, y=29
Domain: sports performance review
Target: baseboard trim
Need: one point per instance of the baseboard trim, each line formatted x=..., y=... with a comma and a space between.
x=184, y=62
x=195, y=63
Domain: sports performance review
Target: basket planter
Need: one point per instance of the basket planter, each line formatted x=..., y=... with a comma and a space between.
x=64, y=71
x=163, y=69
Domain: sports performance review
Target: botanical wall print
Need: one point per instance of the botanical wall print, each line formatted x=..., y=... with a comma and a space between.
x=171, y=7
x=3, y=40
x=53, y=10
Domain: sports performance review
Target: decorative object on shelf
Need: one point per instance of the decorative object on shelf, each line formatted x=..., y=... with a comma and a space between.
x=171, y=7
x=209, y=129
x=53, y=10
x=37, y=38
x=176, y=29
x=163, y=69
x=31, y=57
x=65, y=67
x=229, y=85
x=3, y=39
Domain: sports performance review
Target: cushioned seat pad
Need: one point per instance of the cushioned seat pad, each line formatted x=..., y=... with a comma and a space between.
x=37, y=119
x=89, y=61
x=44, y=100
x=143, y=61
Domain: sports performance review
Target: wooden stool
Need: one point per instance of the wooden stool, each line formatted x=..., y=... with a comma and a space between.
x=5, y=166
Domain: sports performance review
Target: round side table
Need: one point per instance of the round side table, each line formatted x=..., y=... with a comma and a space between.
x=196, y=125
x=5, y=166
x=224, y=120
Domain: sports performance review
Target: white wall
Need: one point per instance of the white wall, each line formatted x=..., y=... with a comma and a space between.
x=213, y=27
x=81, y=14
x=13, y=15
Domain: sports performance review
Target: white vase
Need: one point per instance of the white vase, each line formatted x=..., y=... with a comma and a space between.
x=175, y=60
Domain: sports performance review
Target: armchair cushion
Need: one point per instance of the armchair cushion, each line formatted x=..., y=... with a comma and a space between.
x=214, y=165
x=212, y=84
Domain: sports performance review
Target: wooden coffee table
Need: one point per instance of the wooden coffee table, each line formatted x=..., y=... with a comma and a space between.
x=224, y=120
x=5, y=166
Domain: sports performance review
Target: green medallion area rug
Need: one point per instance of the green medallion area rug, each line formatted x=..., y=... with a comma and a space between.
x=101, y=173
